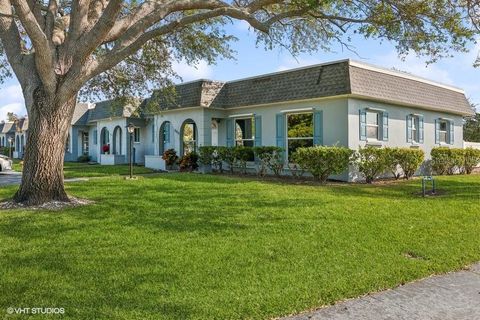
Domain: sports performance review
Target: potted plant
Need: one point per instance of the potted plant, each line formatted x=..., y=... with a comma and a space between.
x=106, y=149
x=170, y=157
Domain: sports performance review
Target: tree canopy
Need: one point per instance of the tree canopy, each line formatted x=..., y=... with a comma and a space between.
x=118, y=47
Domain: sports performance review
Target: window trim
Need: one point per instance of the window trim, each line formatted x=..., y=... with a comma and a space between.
x=378, y=113
x=287, y=138
x=244, y=117
x=446, y=131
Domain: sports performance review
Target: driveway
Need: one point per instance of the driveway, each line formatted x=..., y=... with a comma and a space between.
x=10, y=177
x=453, y=296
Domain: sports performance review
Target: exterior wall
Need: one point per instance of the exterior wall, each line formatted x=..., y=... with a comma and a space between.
x=93, y=148
x=111, y=125
x=474, y=145
x=397, y=127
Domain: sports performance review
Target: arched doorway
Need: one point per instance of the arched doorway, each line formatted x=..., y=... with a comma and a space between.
x=117, y=140
x=188, y=136
x=164, y=137
x=104, y=140
x=22, y=143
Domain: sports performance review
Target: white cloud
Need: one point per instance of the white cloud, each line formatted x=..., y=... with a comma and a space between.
x=193, y=72
x=11, y=100
x=17, y=108
x=415, y=66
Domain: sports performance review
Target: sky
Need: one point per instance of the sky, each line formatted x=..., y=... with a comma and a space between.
x=251, y=60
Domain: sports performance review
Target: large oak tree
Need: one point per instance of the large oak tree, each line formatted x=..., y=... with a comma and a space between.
x=60, y=49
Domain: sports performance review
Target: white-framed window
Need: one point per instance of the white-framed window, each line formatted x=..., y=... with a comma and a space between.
x=443, y=131
x=299, y=131
x=245, y=132
x=136, y=135
x=373, y=121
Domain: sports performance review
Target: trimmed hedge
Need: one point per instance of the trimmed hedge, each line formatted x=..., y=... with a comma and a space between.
x=447, y=160
x=372, y=162
x=472, y=159
x=407, y=159
x=271, y=158
x=323, y=161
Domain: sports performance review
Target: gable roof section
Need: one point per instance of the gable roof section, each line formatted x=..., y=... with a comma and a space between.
x=8, y=127
x=332, y=79
x=80, y=114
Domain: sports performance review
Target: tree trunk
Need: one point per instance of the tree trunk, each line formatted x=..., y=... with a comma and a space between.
x=42, y=179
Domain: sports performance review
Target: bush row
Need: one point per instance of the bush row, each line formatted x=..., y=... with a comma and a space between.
x=321, y=162
x=451, y=160
x=324, y=161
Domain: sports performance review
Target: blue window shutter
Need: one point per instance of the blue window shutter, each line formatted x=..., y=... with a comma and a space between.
x=385, y=126
x=363, y=124
x=229, y=126
x=451, y=132
x=280, y=121
x=437, y=131
x=420, y=129
x=409, y=128
x=258, y=131
x=318, y=128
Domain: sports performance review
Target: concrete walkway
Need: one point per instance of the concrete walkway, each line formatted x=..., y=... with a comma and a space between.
x=454, y=296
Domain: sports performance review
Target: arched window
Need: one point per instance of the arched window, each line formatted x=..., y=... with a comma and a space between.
x=105, y=140
x=188, y=134
x=117, y=140
x=164, y=137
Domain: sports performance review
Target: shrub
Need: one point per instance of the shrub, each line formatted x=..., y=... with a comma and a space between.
x=226, y=154
x=271, y=158
x=406, y=158
x=6, y=151
x=83, y=158
x=170, y=157
x=242, y=155
x=205, y=155
x=472, y=159
x=372, y=162
x=410, y=160
x=189, y=162
x=447, y=160
x=392, y=159
x=296, y=170
x=323, y=161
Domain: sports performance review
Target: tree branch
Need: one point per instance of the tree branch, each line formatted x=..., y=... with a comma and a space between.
x=44, y=58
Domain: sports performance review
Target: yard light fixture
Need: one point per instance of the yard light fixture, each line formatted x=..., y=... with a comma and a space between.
x=131, y=130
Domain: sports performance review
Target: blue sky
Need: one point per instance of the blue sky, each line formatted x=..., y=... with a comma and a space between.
x=250, y=61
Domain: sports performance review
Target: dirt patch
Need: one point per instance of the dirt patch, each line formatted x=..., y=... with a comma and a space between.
x=51, y=206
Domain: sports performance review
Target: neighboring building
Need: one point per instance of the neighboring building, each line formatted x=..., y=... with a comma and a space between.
x=7, y=132
x=345, y=103
x=21, y=129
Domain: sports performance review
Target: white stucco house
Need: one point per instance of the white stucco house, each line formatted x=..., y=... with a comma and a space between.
x=346, y=103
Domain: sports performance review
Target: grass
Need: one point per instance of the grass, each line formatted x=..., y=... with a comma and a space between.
x=78, y=170
x=191, y=246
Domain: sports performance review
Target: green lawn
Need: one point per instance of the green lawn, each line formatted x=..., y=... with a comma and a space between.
x=191, y=246
x=77, y=169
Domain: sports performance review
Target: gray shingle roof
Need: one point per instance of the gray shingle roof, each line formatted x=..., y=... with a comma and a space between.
x=325, y=80
x=406, y=90
x=80, y=114
x=9, y=127
x=111, y=109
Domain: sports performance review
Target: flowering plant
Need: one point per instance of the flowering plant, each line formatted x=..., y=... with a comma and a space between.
x=106, y=148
